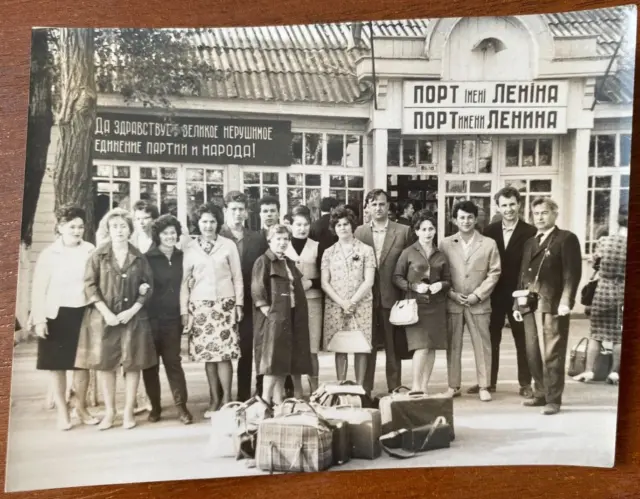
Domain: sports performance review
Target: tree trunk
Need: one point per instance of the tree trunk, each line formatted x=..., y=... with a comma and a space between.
x=78, y=102
x=38, y=130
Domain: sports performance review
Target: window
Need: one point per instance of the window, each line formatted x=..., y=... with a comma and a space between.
x=408, y=152
x=159, y=185
x=348, y=189
x=469, y=156
x=608, y=184
x=598, y=209
x=528, y=153
x=341, y=149
x=112, y=189
x=304, y=189
x=478, y=191
x=256, y=186
x=203, y=185
x=529, y=190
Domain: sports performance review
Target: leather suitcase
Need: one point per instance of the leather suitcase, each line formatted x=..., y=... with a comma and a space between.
x=408, y=443
x=341, y=443
x=364, y=429
x=414, y=409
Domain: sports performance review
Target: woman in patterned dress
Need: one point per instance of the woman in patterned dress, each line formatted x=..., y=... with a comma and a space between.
x=608, y=300
x=211, y=299
x=347, y=274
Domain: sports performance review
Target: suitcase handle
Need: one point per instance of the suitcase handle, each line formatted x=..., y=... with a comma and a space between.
x=401, y=387
x=405, y=454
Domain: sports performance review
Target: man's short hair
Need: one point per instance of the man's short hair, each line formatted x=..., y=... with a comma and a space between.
x=507, y=192
x=466, y=206
x=147, y=207
x=328, y=204
x=550, y=203
x=373, y=194
x=235, y=197
x=268, y=200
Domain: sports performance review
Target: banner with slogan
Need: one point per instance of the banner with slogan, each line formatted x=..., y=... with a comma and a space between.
x=440, y=108
x=136, y=137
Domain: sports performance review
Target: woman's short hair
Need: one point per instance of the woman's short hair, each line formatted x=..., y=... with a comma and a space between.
x=623, y=216
x=277, y=229
x=301, y=211
x=69, y=212
x=212, y=209
x=423, y=216
x=342, y=212
x=118, y=213
x=163, y=222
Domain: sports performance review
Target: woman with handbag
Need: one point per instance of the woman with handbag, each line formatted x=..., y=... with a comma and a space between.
x=347, y=274
x=608, y=299
x=422, y=272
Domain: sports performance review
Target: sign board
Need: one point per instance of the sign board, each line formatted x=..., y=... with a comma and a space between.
x=439, y=108
x=135, y=137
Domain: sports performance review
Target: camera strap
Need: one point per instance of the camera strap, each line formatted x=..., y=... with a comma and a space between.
x=546, y=253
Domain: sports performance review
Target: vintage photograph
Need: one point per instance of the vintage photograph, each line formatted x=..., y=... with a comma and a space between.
x=379, y=244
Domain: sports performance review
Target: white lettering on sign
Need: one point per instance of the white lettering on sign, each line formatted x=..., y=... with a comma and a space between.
x=497, y=107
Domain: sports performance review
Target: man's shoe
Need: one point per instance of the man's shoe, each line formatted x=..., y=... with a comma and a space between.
x=474, y=390
x=154, y=415
x=485, y=396
x=526, y=392
x=534, y=402
x=452, y=393
x=184, y=415
x=551, y=409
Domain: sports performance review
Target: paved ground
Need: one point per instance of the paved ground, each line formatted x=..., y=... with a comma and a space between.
x=501, y=432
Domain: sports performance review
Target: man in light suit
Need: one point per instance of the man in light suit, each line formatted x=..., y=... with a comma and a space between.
x=474, y=261
x=388, y=239
x=552, y=267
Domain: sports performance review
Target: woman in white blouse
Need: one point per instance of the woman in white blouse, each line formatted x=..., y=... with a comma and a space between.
x=211, y=302
x=58, y=304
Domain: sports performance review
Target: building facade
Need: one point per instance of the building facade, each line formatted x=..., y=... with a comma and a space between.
x=433, y=110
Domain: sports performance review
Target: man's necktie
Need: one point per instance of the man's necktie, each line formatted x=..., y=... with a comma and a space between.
x=539, y=239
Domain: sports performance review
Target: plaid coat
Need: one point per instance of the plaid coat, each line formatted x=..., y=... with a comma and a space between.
x=606, y=311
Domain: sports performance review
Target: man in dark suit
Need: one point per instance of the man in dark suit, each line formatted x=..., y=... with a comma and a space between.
x=388, y=239
x=552, y=267
x=510, y=234
x=320, y=230
x=251, y=245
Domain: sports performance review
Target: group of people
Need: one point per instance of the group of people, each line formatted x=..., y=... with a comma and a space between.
x=273, y=299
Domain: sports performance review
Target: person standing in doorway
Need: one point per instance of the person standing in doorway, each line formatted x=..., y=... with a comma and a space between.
x=552, y=269
x=251, y=246
x=474, y=261
x=510, y=234
x=321, y=230
x=408, y=209
x=388, y=239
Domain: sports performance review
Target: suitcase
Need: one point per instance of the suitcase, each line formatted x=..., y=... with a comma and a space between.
x=339, y=393
x=408, y=410
x=407, y=443
x=341, y=441
x=248, y=417
x=292, y=405
x=294, y=442
x=364, y=429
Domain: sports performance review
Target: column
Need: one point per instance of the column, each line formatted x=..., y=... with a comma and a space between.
x=233, y=180
x=575, y=176
x=379, y=169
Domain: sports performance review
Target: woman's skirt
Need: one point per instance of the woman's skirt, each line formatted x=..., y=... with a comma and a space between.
x=214, y=332
x=57, y=352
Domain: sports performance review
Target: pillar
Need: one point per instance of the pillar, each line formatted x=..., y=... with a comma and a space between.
x=380, y=138
x=575, y=178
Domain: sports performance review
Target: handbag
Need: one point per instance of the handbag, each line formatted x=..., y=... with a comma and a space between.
x=223, y=427
x=405, y=443
x=349, y=339
x=404, y=312
x=589, y=290
x=339, y=393
x=248, y=418
x=578, y=361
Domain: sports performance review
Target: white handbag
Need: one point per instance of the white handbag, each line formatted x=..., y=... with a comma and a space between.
x=349, y=340
x=223, y=428
x=404, y=313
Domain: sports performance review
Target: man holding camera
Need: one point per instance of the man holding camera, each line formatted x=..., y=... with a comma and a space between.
x=549, y=278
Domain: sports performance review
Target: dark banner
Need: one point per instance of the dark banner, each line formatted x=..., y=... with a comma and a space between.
x=134, y=137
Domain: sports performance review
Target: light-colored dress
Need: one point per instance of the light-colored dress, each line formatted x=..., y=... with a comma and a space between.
x=307, y=263
x=218, y=286
x=346, y=274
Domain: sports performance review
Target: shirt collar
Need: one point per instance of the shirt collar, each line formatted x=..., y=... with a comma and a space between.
x=373, y=227
x=546, y=232
x=507, y=229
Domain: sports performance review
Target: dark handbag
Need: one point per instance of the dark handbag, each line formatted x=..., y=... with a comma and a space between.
x=578, y=361
x=406, y=443
x=588, y=291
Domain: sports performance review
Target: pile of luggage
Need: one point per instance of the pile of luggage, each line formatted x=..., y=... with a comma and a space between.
x=332, y=428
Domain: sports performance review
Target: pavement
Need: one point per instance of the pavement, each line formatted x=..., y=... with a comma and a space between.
x=500, y=432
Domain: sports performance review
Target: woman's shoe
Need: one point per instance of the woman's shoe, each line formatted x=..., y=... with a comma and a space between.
x=127, y=423
x=613, y=378
x=107, y=422
x=584, y=377
x=86, y=418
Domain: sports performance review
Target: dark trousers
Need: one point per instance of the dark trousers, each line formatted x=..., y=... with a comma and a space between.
x=166, y=335
x=496, y=325
x=547, y=336
x=382, y=328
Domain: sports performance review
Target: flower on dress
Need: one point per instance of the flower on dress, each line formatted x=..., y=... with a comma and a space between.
x=356, y=257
